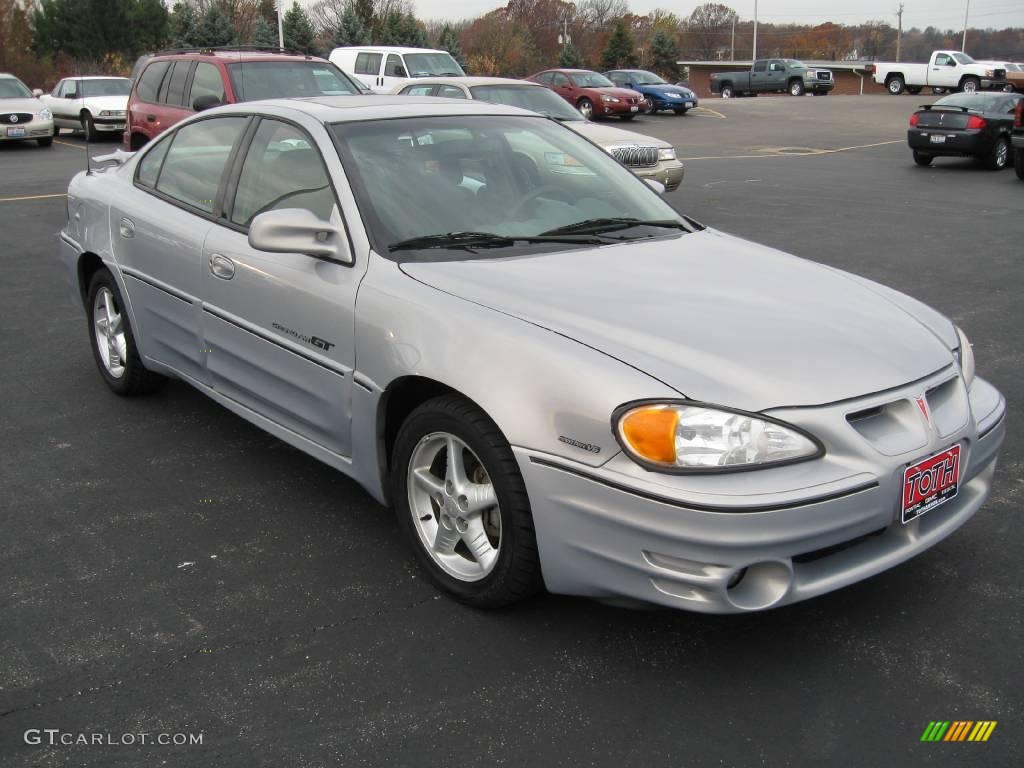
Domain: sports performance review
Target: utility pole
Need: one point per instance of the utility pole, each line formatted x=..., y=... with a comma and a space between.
x=899, y=34
x=732, y=49
x=754, y=55
x=963, y=45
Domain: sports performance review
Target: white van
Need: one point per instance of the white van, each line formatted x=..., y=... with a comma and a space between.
x=385, y=67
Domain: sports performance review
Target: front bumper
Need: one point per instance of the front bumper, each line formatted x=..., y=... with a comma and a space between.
x=109, y=124
x=685, y=103
x=617, y=108
x=667, y=172
x=36, y=129
x=819, y=86
x=954, y=142
x=730, y=543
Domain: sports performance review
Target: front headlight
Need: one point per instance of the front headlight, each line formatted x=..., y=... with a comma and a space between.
x=611, y=99
x=687, y=437
x=990, y=73
x=667, y=153
x=45, y=114
x=674, y=95
x=965, y=356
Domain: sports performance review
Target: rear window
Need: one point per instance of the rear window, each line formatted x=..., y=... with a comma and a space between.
x=175, y=88
x=254, y=80
x=983, y=102
x=149, y=83
x=193, y=167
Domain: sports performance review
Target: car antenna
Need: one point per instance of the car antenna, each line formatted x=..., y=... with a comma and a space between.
x=88, y=151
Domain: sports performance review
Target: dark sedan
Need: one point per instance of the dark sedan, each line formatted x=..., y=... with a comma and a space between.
x=659, y=94
x=965, y=125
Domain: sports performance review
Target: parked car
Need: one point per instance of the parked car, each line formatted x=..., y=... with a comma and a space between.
x=555, y=378
x=658, y=93
x=1017, y=139
x=646, y=156
x=1014, y=74
x=592, y=94
x=383, y=68
x=952, y=70
x=773, y=76
x=93, y=105
x=22, y=116
x=175, y=84
x=965, y=124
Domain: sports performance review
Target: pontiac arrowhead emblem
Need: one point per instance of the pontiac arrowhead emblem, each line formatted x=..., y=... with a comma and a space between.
x=923, y=405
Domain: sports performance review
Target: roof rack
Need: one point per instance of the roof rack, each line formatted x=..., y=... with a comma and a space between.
x=211, y=49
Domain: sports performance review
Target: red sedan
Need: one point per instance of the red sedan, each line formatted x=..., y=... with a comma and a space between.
x=591, y=93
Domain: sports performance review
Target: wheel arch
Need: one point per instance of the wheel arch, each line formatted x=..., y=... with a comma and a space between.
x=893, y=75
x=89, y=264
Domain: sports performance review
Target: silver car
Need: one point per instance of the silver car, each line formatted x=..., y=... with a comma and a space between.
x=553, y=377
x=22, y=116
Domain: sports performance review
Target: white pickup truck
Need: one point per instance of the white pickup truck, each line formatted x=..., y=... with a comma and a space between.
x=946, y=71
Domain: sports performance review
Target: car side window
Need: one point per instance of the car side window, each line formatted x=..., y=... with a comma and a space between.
x=545, y=77
x=368, y=63
x=149, y=83
x=559, y=79
x=195, y=162
x=282, y=169
x=777, y=66
x=206, y=82
x=71, y=89
x=152, y=161
x=394, y=67
x=942, y=60
x=451, y=92
x=58, y=90
x=418, y=90
x=176, y=83
x=760, y=66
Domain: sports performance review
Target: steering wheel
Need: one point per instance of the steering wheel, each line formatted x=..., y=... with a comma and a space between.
x=532, y=195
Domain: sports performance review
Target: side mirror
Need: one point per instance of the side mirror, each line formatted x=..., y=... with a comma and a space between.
x=206, y=101
x=37, y=92
x=657, y=186
x=71, y=95
x=296, y=230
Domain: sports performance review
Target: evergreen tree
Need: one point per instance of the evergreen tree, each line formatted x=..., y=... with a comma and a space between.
x=411, y=33
x=664, y=55
x=619, y=52
x=364, y=10
x=183, y=25
x=570, y=57
x=213, y=28
x=448, y=40
x=263, y=34
x=95, y=29
x=351, y=29
x=298, y=29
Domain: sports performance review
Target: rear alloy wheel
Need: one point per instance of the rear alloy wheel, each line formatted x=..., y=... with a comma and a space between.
x=999, y=156
x=895, y=85
x=462, y=504
x=586, y=106
x=796, y=88
x=970, y=85
x=1018, y=163
x=922, y=158
x=727, y=92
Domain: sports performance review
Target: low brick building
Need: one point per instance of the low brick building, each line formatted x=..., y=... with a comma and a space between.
x=851, y=77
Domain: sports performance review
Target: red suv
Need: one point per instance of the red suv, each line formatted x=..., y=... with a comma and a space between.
x=592, y=94
x=174, y=84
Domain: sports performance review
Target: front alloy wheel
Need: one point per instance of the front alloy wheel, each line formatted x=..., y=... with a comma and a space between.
x=586, y=107
x=111, y=346
x=796, y=88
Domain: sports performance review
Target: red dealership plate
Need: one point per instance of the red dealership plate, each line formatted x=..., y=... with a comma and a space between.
x=930, y=482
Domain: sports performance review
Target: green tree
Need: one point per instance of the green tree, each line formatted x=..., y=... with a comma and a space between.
x=263, y=34
x=96, y=30
x=298, y=29
x=183, y=25
x=664, y=55
x=619, y=51
x=411, y=33
x=448, y=40
x=570, y=57
x=351, y=29
x=214, y=28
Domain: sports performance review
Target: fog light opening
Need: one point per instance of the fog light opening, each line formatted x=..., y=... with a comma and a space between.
x=760, y=585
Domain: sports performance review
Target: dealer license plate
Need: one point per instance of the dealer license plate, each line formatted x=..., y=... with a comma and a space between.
x=936, y=139
x=688, y=104
x=930, y=483
x=634, y=108
x=15, y=133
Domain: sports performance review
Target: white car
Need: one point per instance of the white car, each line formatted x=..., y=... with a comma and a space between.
x=383, y=68
x=93, y=105
x=22, y=117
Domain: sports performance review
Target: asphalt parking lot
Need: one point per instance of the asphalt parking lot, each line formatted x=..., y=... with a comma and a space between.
x=167, y=567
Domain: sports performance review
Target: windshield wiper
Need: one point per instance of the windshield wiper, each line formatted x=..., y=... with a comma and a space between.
x=469, y=240
x=599, y=226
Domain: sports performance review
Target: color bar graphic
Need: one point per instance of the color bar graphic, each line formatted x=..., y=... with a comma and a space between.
x=958, y=730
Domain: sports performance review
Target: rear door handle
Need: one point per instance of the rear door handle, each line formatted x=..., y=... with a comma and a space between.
x=222, y=267
x=126, y=227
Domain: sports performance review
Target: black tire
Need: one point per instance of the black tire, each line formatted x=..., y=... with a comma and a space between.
x=136, y=379
x=923, y=159
x=998, y=157
x=516, y=575
x=627, y=118
x=1018, y=163
x=913, y=90
x=586, y=106
x=89, y=128
x=726, y=91
x=970, y=85
x=682, y=111
x=47, y=142
x=796, y=88
x=895, y=85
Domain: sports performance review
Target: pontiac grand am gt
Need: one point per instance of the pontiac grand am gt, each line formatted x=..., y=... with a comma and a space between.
x=554, y=378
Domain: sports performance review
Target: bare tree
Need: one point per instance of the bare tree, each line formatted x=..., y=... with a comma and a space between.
x=706, y=28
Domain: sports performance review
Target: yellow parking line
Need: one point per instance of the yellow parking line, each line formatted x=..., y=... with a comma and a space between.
x=67, y=144
x=699, y=111
x=815, y=153
x=28, y=197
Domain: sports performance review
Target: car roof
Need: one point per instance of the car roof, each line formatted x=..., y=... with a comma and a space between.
x=388, y=49
x=343, y=109
x=95, y=77
x=232, y=56
x=470, y=82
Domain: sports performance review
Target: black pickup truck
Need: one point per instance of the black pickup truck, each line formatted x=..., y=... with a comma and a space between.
x=774, y=76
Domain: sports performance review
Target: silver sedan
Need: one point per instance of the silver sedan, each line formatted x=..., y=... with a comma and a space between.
x=553, y=377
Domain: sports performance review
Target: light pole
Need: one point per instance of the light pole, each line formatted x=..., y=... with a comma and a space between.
x=280, y=24
x=899, y=34
x=963, y=45
x=732, y=48
x=754, y=55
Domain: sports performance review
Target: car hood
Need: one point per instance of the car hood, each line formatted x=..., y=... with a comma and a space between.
x=717, y=318
x=666, y=88
x=99, y=103
x=621, y=93
x=608, y=136
x=20, y=105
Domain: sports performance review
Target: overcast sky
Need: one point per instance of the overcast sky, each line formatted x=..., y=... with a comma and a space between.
x=945, y=14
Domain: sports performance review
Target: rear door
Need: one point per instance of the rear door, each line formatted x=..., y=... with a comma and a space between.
x=143, y=101
x=759, y=76
x=280, y=326
x=158, y=227
x=171, y=108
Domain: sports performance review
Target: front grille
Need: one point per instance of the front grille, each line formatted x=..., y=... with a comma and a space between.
x=824, y=75
x=636, y=157
x=16, y=118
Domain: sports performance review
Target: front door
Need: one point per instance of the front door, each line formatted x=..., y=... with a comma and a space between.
x=776, y=75
x=280, y=327
x=394, y=73
x=944, y=71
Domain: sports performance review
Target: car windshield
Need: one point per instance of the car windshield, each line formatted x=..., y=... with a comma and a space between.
x=438, y=64
x=10, y=88
x=983, y=102
x=492, y=177
x=1012, y=68
x=108, y=86
x=963, y=58
x=644, y=78
x=795, y=64
x=254, y=80
x=591, y=80
x=532, y=97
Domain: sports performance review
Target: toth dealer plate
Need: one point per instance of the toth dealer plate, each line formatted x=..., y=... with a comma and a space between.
x=929, y=483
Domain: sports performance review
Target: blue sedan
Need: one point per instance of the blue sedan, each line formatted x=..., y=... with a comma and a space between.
x=659, y=94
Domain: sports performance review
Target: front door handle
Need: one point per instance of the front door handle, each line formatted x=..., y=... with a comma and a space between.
x=222, y=267
x=126, y=227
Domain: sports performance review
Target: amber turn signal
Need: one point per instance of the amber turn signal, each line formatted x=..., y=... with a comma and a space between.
x=651, y=433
